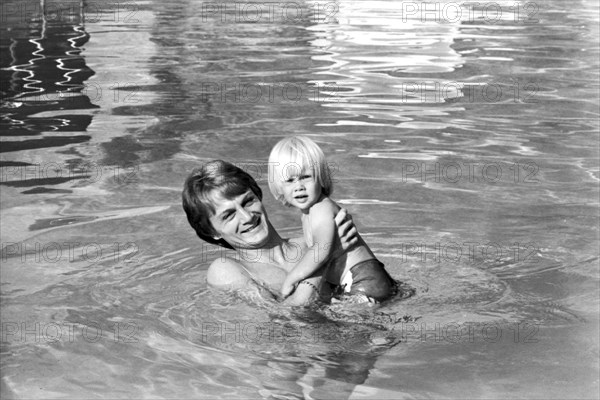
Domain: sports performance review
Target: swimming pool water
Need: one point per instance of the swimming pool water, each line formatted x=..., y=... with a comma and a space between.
x=463, y=139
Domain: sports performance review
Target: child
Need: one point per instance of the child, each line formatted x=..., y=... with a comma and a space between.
x=299, y=177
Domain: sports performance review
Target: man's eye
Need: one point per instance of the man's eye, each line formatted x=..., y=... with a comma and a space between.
x=227, y=216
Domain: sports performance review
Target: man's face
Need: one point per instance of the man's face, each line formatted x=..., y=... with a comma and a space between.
x=241, y=221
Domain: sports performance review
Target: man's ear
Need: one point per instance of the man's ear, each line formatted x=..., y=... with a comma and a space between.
x=214, y=234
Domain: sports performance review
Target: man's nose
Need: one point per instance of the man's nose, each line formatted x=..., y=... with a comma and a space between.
x=245, y=215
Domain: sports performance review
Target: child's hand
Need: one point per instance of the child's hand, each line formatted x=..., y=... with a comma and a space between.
x=287, y=289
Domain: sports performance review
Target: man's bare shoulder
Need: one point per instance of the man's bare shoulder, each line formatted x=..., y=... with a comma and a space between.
x=227, y=273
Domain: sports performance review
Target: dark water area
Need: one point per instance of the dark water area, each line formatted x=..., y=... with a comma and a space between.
x=463, y=140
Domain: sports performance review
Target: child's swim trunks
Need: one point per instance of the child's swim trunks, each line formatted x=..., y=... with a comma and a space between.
x=369, y=278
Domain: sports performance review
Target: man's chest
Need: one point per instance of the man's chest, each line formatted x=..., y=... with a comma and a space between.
x=272, y=276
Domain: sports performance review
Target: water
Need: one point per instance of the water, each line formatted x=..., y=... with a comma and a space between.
x=465, y=146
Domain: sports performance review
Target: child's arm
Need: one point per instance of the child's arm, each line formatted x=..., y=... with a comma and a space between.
x=323, y=228
x=303, y=295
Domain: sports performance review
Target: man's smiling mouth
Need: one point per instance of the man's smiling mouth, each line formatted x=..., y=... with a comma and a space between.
x=256, y=224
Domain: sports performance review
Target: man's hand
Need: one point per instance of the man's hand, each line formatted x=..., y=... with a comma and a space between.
x=346, y=229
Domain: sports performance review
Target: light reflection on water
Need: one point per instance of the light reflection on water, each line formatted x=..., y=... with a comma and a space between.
x=466, y=151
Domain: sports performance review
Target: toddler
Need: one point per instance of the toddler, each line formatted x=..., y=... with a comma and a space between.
x=299, y=177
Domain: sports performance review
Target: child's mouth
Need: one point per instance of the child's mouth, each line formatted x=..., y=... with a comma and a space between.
x=302, y=198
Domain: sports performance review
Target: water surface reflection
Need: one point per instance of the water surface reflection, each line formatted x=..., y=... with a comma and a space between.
x=397, y=103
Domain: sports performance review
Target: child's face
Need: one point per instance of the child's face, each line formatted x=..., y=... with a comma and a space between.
x=301, y=189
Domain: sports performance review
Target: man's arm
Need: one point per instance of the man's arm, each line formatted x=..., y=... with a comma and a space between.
x=323, y=230
x=346, y=232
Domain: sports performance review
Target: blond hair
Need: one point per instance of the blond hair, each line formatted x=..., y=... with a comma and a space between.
x=295, y=154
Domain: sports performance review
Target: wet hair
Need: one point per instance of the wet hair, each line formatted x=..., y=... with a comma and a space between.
x=197, y=196
x=292, y=155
